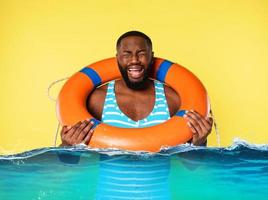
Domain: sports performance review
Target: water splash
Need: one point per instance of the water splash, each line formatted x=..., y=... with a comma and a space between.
x=237, y=146
x=239, y=171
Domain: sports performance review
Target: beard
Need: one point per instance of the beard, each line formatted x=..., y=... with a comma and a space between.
x=136, y=85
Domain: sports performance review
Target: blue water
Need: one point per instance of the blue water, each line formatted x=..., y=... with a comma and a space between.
x=184, y=172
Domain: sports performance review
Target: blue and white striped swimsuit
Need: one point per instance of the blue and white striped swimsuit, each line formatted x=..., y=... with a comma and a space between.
x=113, y=116
x=134, y=178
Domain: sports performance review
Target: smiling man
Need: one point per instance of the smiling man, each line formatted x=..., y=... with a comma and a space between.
x=134, y=101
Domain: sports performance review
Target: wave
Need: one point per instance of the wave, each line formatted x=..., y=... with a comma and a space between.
x=238, y=147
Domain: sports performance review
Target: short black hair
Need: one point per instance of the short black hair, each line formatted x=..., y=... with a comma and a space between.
x=134, y=33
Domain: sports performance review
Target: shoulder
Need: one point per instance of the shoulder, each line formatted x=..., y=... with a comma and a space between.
x=173, y=100
x=95, y=101
x=99, y=92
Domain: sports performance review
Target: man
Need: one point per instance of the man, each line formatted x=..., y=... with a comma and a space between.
x=133, y=99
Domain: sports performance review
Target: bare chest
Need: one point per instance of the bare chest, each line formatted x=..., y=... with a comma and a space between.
x=136, y=107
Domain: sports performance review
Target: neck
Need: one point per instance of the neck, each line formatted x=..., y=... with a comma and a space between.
x=147, y=86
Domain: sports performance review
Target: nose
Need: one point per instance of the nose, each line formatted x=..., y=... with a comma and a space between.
x=134, y=59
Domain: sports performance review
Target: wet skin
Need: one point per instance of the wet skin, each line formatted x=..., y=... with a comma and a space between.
x=135, y=96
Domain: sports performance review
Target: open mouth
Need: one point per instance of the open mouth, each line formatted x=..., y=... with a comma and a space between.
x=135, y=72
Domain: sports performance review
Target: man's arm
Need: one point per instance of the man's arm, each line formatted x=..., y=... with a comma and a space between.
x=173, y=100
x=77, y=134
x=96, y=100
x=199, y=125
x=82, y=131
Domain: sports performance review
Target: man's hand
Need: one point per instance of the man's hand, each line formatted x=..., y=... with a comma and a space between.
x=200, y=127
x=77, y=134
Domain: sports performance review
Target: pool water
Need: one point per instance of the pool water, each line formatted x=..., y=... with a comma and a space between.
x=182, y=172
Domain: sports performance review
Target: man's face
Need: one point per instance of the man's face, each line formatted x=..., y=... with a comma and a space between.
x=134, y=57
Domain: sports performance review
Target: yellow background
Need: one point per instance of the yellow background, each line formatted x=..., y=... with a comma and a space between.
x=225, y=43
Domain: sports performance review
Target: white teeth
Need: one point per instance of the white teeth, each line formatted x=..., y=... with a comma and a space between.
x=134, y=70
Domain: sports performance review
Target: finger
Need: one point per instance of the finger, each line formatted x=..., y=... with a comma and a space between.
x=79, y=130
x=209, y=120
x=193, y=130
x=89, y=129
x=64, y=135
x=207, y=124
x=196, y=139
x=206, y=120
x=88, y=137
x=204, y=125
x=73, y=129
x=86, y=130
x=64, y=130
x=194, y=123
x=89, y=126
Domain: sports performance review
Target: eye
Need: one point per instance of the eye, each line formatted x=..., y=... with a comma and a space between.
x=142, y=53
x=126, y=54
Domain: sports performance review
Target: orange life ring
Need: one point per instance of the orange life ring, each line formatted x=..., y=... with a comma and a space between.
x=71, y=106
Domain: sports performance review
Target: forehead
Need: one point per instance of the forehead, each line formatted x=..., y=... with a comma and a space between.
x=133, y=42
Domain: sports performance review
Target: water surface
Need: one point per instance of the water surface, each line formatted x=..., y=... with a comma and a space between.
x=182, y=172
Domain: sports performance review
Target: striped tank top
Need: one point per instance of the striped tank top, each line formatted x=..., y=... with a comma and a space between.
x=126, y=177
x=112, y=114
